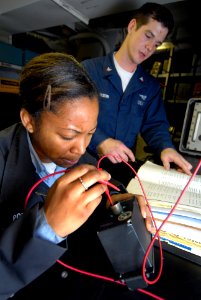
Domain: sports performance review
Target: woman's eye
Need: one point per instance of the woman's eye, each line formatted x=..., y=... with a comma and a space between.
x=67, y=138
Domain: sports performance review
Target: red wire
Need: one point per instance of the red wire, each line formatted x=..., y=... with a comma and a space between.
x=153, y=219
x=39, y=181
x=90, y=274
x=156, y=235
x=70, y=267
x=65, y=171
x=109, y=197
x=150, y=245
x=106, y=278
x=176, y=203
x=111, y=202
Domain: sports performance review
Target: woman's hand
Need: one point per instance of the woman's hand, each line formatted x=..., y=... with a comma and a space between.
x=68, y=204
x=145, y=213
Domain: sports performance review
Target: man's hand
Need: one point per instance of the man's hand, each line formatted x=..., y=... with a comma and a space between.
x=171, y=155
x=116, y=149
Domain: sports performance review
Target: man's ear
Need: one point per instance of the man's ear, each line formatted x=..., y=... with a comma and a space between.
x=132, y=25
x=27, y=120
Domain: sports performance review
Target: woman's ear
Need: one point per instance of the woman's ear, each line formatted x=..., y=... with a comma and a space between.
x=27, y=120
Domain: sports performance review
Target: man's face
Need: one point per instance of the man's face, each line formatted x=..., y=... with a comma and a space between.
x=143, y=42
x=62, y=138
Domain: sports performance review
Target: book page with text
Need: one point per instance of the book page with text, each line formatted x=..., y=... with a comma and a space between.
x=162, y=185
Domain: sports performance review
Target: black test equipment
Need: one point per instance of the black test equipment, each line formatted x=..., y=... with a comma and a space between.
x=125, y=239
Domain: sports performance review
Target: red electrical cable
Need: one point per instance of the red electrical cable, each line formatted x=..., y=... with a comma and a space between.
x=170, y=213
x=155, y=235
x=107, y=279
x=65, y=171
x=38, y=182
x=162, y=224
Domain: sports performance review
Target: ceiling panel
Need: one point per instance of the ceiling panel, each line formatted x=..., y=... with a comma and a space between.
x=28, y=15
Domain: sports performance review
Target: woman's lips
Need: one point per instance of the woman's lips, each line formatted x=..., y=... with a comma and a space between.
x=70, y=162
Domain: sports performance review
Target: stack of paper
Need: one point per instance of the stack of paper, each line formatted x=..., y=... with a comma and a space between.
x=162, y=189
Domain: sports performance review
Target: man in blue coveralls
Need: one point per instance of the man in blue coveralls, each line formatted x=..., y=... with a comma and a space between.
x=130, y=99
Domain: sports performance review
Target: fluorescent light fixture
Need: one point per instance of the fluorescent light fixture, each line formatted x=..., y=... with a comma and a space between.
x=70, y=9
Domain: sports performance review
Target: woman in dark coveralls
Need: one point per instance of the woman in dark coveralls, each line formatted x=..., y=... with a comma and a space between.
x=58, y=118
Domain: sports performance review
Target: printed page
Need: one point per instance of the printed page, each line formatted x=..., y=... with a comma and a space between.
x=186, y=244
x=193, y=222
x=159, y=184
x=180, y=230
x=181, y=208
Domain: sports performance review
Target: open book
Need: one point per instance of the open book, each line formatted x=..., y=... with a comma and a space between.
x=162, y=185
x=162, y=189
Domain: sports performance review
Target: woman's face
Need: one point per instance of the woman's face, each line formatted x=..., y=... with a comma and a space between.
x=62, y=138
